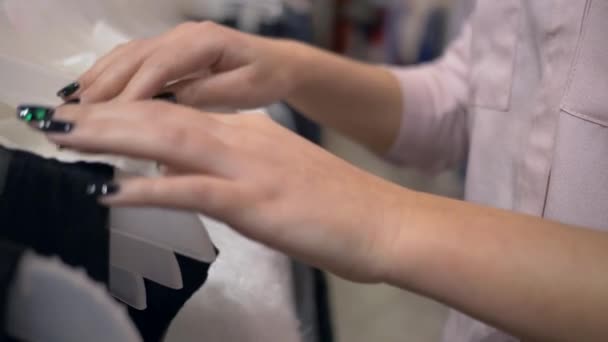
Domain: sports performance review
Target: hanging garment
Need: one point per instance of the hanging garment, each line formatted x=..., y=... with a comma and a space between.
x=10, y=255
x=44, y=207
x=140, y=241
x=61, y=220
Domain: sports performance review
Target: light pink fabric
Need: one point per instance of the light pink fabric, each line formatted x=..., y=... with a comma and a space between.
x=524, y=94
x=434, y=133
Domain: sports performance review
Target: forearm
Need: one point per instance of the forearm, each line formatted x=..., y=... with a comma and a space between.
x=537, y=279
x=359, y=100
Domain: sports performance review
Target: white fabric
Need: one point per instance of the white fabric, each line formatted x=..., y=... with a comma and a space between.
x=247, y=297
x=49, y=302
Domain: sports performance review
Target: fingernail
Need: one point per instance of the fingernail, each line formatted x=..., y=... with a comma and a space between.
x=68, y=90
x=169, y=97
x=29, y=113
x=55, y=126
x=102, y=189
x=73, y=101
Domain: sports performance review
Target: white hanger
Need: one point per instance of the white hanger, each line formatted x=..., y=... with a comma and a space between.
x=128, y=287
x=156, y=264
x=174, y=230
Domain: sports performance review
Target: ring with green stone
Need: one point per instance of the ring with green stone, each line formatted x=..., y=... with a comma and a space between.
x=31, y=113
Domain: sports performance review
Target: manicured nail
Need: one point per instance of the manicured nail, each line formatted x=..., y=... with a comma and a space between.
x=102, y=189
x=169, y=97
x=29, y=113
x=68, y=90
x=55, y=126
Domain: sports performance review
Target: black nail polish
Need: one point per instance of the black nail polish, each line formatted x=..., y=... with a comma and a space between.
x=55, y=126
x=73, y=101
x=30, y=113
x=69, y=89
x=102, y=189
x=169, y=97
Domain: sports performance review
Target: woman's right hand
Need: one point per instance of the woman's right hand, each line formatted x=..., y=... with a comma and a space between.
x=203, y=64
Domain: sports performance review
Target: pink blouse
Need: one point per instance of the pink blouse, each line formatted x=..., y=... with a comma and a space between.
x=520, y=97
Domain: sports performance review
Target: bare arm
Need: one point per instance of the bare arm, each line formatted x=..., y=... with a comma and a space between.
x=417, y=114
x=535, y=278
x=360, y=100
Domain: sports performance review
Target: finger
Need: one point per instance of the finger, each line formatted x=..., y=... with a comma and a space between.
x=112, y=80
x=212, y=196
x=168, y=65
x=230, y=89
x=179, y=137
x=88, y=77
x=171, y=171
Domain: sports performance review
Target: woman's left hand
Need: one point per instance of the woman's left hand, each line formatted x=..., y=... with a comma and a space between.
x=251, y=173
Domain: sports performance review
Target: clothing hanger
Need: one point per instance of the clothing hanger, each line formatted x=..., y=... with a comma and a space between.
x=174, y=230
x=157, y=264
x=128, y=287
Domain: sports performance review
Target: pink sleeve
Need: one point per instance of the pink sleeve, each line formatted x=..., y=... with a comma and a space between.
x=434, y=125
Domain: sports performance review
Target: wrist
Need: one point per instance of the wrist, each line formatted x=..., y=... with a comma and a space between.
x=399, y=245
x=376, y=231
x=298, y=59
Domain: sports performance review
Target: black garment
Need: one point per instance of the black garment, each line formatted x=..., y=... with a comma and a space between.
x=10, y=256
x=164, y=303
x=44, y=206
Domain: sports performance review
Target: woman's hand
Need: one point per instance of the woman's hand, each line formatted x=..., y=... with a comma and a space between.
x=204, y=64
x=261, y=179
